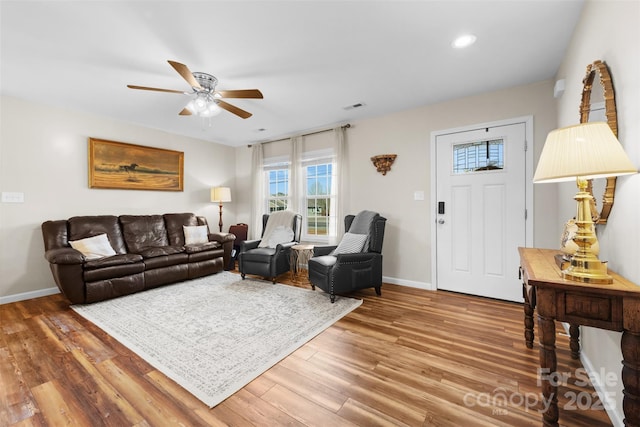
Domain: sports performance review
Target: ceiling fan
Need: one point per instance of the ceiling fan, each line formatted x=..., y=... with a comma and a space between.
x=206, y=100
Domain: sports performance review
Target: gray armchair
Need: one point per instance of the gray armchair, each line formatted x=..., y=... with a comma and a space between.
x=267, y=257
x=337, y=273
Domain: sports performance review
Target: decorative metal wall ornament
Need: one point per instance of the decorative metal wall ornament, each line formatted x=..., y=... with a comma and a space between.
x=383, y=162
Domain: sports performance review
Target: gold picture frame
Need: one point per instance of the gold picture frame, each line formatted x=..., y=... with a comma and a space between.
x=118, y=165
x=598, y=81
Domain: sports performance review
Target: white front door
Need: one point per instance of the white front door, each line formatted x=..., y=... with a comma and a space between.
x=480, y=210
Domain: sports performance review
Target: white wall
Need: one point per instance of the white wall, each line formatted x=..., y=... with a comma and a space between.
x=43, y=154
x=609, y=31
x=407, y=244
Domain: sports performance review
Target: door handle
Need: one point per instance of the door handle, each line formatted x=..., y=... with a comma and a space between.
x=441, y=221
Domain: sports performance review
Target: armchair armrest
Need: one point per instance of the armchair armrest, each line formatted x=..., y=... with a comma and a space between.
x=64, y=256
x=226, y=241
x=249, y=244
x=357, y=257
x=221, y=237
x=322, y=250
x=288, y=245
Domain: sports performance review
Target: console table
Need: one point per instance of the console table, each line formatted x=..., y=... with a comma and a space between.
x=614, y=307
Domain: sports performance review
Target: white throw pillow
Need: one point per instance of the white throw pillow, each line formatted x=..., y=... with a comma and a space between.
x=195, y=234
x=95, y=247
x=280, y=234
x=351, y=243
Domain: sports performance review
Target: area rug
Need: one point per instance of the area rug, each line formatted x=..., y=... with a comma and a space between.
x=216, y=334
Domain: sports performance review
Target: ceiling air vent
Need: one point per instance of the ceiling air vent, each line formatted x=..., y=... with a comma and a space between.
x=354, y=106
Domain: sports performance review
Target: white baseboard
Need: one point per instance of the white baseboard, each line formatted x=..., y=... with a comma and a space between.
x=607, y=400
x=28, y=295
x=409, y=283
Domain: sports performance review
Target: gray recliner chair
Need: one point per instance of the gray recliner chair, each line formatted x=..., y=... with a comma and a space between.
x=356, y=263
x=269, y=256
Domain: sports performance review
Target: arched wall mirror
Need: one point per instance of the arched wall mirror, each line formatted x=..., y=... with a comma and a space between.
x=599, y=104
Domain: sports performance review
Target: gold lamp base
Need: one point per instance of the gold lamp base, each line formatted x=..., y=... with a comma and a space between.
x=587, y=271
x=584, y=265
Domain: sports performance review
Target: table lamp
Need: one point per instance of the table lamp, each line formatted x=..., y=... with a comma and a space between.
x=583, y=152
x=220, y=195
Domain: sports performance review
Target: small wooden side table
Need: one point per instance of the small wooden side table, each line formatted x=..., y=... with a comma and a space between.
x=614, y=307
x=300, y=256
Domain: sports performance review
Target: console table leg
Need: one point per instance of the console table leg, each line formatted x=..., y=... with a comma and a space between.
x=528, y=324
x=630, y=345
x=574, y=340
x=548, y=365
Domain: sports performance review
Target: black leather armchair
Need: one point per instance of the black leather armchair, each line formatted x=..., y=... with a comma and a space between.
x=268, y=262
x=347, y=272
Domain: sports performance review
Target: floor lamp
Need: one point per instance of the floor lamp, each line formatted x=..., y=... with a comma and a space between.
x=579, y=153
x=220, y=195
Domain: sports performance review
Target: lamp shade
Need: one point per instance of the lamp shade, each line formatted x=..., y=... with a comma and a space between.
x=220, y=194
x=587, y=150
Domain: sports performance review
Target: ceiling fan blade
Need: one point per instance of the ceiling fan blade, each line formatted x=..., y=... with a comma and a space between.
x=235, y=110
x=186, y=74
x=154, y=89
x=185, y=112
x=244, y=93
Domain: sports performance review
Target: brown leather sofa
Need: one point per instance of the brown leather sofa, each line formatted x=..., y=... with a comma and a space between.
x=150, y=251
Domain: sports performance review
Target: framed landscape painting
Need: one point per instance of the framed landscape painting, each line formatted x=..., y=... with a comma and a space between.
x=134, y=167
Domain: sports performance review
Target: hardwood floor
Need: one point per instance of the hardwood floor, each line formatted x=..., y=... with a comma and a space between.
x=411, y=357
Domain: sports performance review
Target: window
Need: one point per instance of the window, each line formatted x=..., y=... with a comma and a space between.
x=278, y=188
x=478, y=156
x=319, y=200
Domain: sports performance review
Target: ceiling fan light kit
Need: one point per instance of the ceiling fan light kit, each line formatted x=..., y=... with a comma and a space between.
x=206, y=102
x=204, y=105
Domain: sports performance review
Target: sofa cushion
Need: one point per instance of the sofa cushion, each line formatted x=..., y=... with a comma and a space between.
x=156, y=251
x=81, y=227
x=174, y=223
x=191, y=249
x=205, y=255
x=113, y=261
x=195, y=234
x=350, y=244
x=93, y=247
x=110, y=272
x=262, y=255
x=165, y=261
x=143, y=231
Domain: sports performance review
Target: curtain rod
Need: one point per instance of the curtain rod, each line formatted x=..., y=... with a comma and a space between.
x=347, y=126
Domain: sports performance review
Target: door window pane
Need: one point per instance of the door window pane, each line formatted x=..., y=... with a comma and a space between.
x=478, y=156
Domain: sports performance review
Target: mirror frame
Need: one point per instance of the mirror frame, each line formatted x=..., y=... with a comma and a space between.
x=600, y=69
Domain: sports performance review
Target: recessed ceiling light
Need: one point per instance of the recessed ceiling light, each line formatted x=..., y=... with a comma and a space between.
x=464, y=41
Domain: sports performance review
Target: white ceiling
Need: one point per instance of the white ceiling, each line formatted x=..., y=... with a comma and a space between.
x=310, y=59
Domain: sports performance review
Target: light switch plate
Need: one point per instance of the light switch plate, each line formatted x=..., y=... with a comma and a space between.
x=12, y=197
x=418, y=195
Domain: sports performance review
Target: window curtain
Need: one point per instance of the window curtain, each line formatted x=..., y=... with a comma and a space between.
x=257, y=202
x=342, y=180
x=296, y=192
